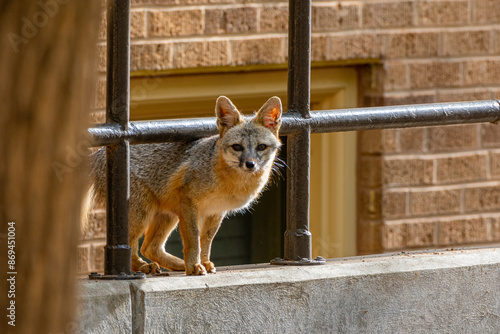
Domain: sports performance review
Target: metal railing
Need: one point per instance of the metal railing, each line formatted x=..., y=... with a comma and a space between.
x=298, y=123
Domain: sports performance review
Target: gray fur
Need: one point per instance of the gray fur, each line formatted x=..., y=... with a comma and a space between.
x=169, y=181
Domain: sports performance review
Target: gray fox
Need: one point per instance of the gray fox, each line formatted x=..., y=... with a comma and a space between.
x=193, y=185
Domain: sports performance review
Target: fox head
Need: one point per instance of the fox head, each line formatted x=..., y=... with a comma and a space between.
x=249, y=145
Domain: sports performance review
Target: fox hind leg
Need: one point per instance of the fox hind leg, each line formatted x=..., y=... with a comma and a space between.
x=139, y=264
x=139, y=220
x=156, y=235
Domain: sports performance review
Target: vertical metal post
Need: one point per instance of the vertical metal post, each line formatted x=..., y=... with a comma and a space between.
x=299, y=57
x=297, y=236
x=117, y=252
x=117, y=255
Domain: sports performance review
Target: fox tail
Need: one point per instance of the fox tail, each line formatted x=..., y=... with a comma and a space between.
x=87, y=204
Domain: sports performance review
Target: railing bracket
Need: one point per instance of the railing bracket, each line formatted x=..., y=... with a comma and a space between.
x=299, y=262
x=121, y=276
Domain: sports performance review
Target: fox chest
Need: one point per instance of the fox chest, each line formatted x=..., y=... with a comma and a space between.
x=224, y=201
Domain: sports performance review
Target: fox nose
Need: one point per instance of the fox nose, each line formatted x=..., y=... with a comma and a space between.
x=250, y=164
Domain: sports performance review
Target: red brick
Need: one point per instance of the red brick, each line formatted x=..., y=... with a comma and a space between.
x=181, y=2
x=408, y=45
x=482, y=72
x=101, y=58
x=83, y=259
x=439, y=13
x=396, y=76
x=370, y=172
x=96, y=226
x=496, y=41
x=487, y=11
x=369, y=237
x=462, y=95
x=327, y=17
x=102, y=34
x=137, y=24
x=389, y=140
x=97, y=261
x=395, y=99
x=406, y=172
x=201, y=54
x=476, y=231
x=231, y=20
x=370, y=141
x=394, y=204
x=490, y=135
x=481, y=199
x=370, y=204
x=154, y=56
x=378, y=141
x=420, y=234
x=432, y=202
x=153, y=2
x=388, y=14
x=408, y=235
x=319, y=48
x=462, y=168
x=274, y=18
x=97, y=117
x=452, y=137
x=495, y=93
x=467, y=43
x=100, y=94
x=356, y=46
x=495, y=164
x=175, y=23
x=258, y=51
x=495, y=228
x=411, y=139
x=462, y=231
x=373, y=100
x=211, y=2
x=393, y=236
x=371, y=78
x=435, y=74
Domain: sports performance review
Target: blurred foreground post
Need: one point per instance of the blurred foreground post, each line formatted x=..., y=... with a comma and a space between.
x=46, y=76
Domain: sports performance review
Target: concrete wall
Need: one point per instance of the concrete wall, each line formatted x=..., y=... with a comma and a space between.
x=437, y=292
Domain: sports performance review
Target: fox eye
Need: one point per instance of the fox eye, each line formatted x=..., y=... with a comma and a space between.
x=237, y=147
x=261, y=147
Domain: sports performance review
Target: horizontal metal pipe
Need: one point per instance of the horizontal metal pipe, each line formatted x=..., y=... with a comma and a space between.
x=337, y=120
x=406, y=116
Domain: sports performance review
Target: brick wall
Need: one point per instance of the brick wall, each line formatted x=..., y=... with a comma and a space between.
x=417, y=187
x=430, y=187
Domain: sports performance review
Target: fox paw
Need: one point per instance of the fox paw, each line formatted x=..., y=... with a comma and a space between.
x=197, y=269
x=209, y=265
x=150, y=268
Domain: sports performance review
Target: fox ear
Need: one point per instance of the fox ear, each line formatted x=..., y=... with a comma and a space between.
x=269, y=114
x=227, y=114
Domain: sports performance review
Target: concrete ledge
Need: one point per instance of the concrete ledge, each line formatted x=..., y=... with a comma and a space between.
x=105, y=307
x=440, y=292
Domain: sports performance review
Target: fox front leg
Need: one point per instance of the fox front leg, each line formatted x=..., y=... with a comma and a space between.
x=188, y=227
x=209, y=228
